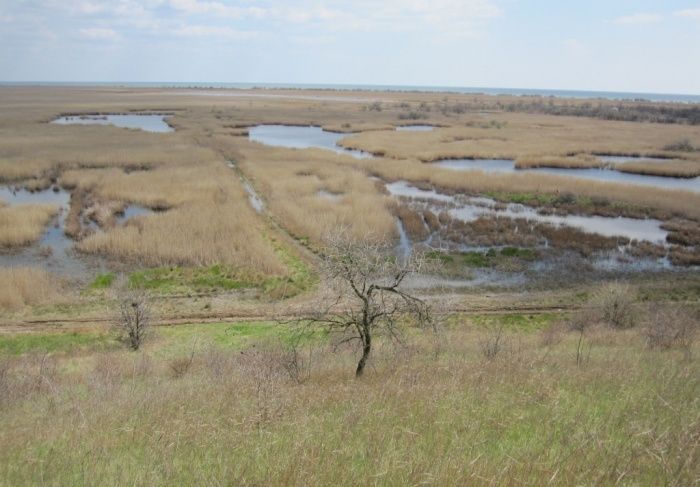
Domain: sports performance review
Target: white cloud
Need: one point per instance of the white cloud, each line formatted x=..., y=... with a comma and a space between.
x=198, y=7
x=691, y=13
x=213, y=31
x=98, y=33
x=638, y=19
x=449, y=16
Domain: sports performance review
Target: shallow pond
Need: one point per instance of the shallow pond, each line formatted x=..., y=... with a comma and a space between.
x=415, y=128
x=469, y=209
x=605, y=175
x=54, y=250
x=133, y=211
x=624, y=159
x=296, y=137
x=146, y=122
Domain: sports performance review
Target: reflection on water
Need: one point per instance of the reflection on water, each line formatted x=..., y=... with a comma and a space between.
x=295, y=137
x=330, y=196
x=146, y=122
x=605, y=175
x=132, y=211
x=415, y=128
x=54, y=251
x=486, y=165
x=624, y=159
x=469, y=209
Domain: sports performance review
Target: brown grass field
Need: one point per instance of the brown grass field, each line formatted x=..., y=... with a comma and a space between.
x=23, y=224
x=23, y=286
x=526, y=384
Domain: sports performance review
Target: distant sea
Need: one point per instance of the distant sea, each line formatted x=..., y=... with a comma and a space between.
x=607, y=95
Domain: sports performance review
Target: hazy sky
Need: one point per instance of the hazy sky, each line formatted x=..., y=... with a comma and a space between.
x=620, y=45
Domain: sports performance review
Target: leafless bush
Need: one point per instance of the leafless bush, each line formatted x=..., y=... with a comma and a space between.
x=493, y=343
x=552, y=334
x=671, y=327
x=30, y=374
x=5, y=384
x=108, y=369
x=613, y=305
x=262, y=366
x=179, y=366
x=297, y=360
x=580, y=322
x=218, y=362
x=133, y=321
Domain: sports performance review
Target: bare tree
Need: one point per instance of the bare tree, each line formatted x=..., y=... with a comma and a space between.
x=133, y=319
x=365, y=293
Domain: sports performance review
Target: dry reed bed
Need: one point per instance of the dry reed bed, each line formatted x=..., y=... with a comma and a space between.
x=518, y=135
x=188, y=174
x=22, y=225
x=668, y=202
x=209, y=220
x=290, y=182
x=26, y=286
x=436, y=410
x=579, y=161
x=677, y=168
x=673, y=168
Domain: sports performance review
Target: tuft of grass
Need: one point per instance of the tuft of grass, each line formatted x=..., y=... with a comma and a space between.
x=497, y=257
x=103, y=281
x=176, y=279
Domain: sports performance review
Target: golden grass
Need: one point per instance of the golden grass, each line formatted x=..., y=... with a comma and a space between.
x=24, y=224
x=671, y=168
x=186, y=170
x=291, y=181
x=209, y=220
x=26, y=286
x=580, y=161
x=522, y=135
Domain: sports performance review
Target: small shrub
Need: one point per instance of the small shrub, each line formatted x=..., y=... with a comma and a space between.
x=179, y=366
x=493, y=344
x=671, y=327
x=613, y=305
x=683, y=145
x=133, y=321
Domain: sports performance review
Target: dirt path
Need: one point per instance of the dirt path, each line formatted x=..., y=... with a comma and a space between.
x=102, y=322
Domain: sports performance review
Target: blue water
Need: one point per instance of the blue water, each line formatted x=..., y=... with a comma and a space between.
x=148, y=123
x=606, y=175
x=298, y=137
x=608, y=95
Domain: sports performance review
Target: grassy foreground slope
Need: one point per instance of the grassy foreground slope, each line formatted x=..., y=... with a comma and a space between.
x=217, y=405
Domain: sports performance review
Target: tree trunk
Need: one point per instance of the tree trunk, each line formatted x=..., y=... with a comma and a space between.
x=366, y=349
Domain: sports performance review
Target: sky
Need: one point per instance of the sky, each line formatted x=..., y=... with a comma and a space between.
x=650, y=46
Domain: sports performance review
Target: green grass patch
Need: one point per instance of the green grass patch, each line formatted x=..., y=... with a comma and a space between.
x=176, y=340
x=300, y=276
x=497, y=257
x=175, y=279
x=19, y=344
x=103, y=281
x=519, y=321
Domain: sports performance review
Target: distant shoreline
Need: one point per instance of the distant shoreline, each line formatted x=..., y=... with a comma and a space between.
x=577, y=94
